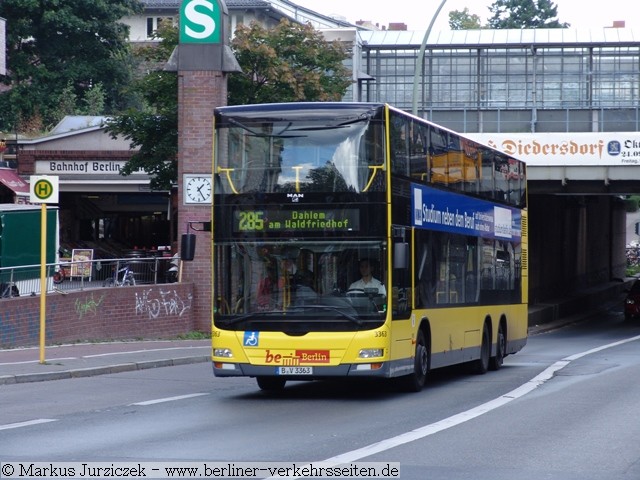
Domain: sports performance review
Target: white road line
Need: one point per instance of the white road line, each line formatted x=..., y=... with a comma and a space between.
x=168, y=399
x=146, y=351
x=51, y=360
x=462, y=417
x=28, y=423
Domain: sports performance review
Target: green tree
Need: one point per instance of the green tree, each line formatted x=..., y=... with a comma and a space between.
x=53, y=44
x=93, y=101
x=288, y=63
x=524, y=14
x=463, y=20
x=631, y=203
x=153, y=129
x=67, y=102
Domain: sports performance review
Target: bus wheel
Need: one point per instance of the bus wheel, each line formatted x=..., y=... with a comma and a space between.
x=416, y=380
x=481, y=365
x=271, y=384
x=501, y=346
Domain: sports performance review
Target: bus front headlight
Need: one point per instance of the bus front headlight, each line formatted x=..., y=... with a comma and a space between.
x=370, y=353
x=222, y=352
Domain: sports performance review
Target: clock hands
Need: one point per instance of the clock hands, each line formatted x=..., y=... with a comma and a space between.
x=198, y=190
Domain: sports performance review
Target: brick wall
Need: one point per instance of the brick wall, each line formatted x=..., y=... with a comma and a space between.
x=120, y=313
x=199, y=92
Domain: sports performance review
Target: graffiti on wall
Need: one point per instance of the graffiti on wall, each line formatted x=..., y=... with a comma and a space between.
x=156, y=303
x=88, y=305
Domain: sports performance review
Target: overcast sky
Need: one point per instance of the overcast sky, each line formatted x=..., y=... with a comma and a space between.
x=418, y=13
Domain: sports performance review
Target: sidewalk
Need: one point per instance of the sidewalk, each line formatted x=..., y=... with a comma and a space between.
x=22, y=365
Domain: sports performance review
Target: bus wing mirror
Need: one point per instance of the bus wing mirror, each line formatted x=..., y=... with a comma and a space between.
x=401, y=255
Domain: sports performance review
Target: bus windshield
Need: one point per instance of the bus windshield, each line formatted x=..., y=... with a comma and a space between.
x=276, y=153
x=312, y=282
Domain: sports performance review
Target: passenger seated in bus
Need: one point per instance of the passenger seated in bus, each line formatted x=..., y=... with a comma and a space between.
x=267, y=289
x=367, y=282
x=303, y=286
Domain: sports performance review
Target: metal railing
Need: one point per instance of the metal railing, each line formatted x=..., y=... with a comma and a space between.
x=68, y=276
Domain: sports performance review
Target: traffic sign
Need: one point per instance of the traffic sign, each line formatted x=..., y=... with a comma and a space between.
x=200, y=21
x=43, y=189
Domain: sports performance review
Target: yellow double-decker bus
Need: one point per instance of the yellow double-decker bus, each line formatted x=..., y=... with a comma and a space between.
x=356, y=240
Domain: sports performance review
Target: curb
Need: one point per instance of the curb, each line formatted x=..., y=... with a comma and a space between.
x=101, y=370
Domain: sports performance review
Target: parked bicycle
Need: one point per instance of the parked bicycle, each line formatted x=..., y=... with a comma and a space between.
x=8, y=290
x=121, y=277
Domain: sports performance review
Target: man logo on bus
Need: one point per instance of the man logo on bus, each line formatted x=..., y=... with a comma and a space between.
x=295, y=197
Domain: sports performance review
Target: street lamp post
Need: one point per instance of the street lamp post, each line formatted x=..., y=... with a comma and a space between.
x=419, y=66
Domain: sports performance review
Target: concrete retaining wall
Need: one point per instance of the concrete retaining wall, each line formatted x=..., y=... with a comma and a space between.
x=579, y=303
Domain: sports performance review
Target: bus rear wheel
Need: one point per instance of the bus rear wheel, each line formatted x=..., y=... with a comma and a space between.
x=416, y=380
x=481, y=365
x=501, y=346
x=271, y=384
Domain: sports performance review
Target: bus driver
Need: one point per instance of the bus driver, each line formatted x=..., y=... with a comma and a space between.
x=367, y=281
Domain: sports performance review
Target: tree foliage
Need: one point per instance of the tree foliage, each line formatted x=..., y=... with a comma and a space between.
x=463, y=20
x=288, y=63
x=524, y=14
x=54, y=45
x=153, y=129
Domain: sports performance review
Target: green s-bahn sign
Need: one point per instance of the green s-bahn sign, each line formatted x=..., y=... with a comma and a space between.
x=200, y=21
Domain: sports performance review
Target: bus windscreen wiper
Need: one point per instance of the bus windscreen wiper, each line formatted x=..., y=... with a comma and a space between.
x=351, y=318
x=248, y=316
x=363, y=118
x=284, y=313
x=255, y=133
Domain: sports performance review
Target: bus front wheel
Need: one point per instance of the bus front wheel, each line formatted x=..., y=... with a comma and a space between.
x=416, y=380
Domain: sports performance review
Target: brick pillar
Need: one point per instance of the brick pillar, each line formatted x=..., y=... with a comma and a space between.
x=199, y=92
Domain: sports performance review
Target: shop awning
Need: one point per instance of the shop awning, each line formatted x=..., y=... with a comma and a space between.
x=10, y=179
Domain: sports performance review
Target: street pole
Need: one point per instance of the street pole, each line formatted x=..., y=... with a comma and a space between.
x=420, y=64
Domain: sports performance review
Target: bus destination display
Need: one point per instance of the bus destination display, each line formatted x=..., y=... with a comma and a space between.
x=302, y=220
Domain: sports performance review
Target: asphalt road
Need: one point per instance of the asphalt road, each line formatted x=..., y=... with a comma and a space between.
x=564, y=408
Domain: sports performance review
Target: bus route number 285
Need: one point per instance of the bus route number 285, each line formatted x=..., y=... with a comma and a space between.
x=250, y=221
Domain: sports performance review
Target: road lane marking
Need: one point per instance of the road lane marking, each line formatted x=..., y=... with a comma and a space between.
x=167, y=399
x=52, y=361
x=27, y=423
x=472, y=413
x=208, y=347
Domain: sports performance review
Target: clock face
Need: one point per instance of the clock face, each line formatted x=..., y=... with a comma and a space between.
x=197, y=189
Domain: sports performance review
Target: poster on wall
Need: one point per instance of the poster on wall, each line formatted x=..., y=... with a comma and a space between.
x=81, y=262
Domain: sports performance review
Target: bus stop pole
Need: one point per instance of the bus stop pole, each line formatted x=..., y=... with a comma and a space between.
x=43, y=279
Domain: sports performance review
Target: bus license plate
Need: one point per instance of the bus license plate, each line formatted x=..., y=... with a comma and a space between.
x=294, y=370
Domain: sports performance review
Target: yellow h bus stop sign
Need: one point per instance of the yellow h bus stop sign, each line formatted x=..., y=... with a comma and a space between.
x=43, y=189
